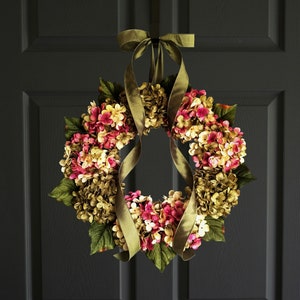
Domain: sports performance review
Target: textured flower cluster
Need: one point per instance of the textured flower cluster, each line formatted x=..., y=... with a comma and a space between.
x=216, y=192
x=155, y=104
x=110, y=124
x=157, y=222
x=96, y=151
x=216, y=149
x=154, y=101
x=92, y=159
x=95, y=200
x=213, y=142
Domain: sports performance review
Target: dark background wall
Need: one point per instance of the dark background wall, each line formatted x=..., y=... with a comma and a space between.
x=52, y=54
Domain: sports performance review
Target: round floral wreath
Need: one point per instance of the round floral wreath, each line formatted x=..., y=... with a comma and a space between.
x=92, y=158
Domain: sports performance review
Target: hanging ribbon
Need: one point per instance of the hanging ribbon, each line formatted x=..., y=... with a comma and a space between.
x=188, y=218
x=131, y=235
x=137, y=41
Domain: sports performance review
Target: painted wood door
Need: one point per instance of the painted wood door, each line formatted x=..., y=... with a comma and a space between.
x=52, y=54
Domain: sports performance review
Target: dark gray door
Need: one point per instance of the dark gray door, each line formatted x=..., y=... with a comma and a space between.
x=52, y=53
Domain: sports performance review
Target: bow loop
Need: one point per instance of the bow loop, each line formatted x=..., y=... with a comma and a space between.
x=129, y=39
x=179, y=39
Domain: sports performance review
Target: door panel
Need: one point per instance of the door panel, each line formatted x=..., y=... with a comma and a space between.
x=247, y=52
x=236, y=25
x=252, y=229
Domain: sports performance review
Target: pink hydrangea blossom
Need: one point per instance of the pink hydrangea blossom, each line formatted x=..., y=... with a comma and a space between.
x=194, y=241
x=202, y=112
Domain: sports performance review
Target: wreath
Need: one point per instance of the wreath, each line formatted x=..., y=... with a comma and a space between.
x=93, y=171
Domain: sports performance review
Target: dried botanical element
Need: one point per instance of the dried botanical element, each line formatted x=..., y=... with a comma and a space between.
x=94, y=201
x=91, y=163
x=155, y=104
x=217, y=192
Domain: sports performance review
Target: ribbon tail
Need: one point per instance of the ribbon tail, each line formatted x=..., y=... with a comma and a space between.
x=128, y=228
x=184, y=229
x=188, y=219
x=126, y=222
x=159, y=66
x=131, y=89
x=152, y=64
x=181, y=82
x=138, y=41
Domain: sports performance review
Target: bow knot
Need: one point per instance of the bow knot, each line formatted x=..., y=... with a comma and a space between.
x=155, y=42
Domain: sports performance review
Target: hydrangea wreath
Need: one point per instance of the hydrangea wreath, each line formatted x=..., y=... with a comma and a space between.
x=92, y=158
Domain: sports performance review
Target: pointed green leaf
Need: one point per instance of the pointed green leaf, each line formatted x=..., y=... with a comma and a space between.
x=225, y=112
x=109, y=89
x=101, y=238
x=243, y=174
x=63, y=192
x=72, y=126
x=216, y=230
x=161, y=255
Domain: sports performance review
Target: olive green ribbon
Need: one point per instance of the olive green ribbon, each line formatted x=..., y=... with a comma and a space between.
x=135, y=103
x=188, y=219
x=138, y=41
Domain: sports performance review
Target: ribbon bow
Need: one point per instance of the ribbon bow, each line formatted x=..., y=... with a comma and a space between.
x=138, y=41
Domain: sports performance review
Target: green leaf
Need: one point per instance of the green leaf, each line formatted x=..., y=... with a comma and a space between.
x=101, y=238
x=216, y=230
x=63, y=192
x=161, y=255
x=225, y=112
x=72, y=126
x=109, y=89
x=243, y=174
